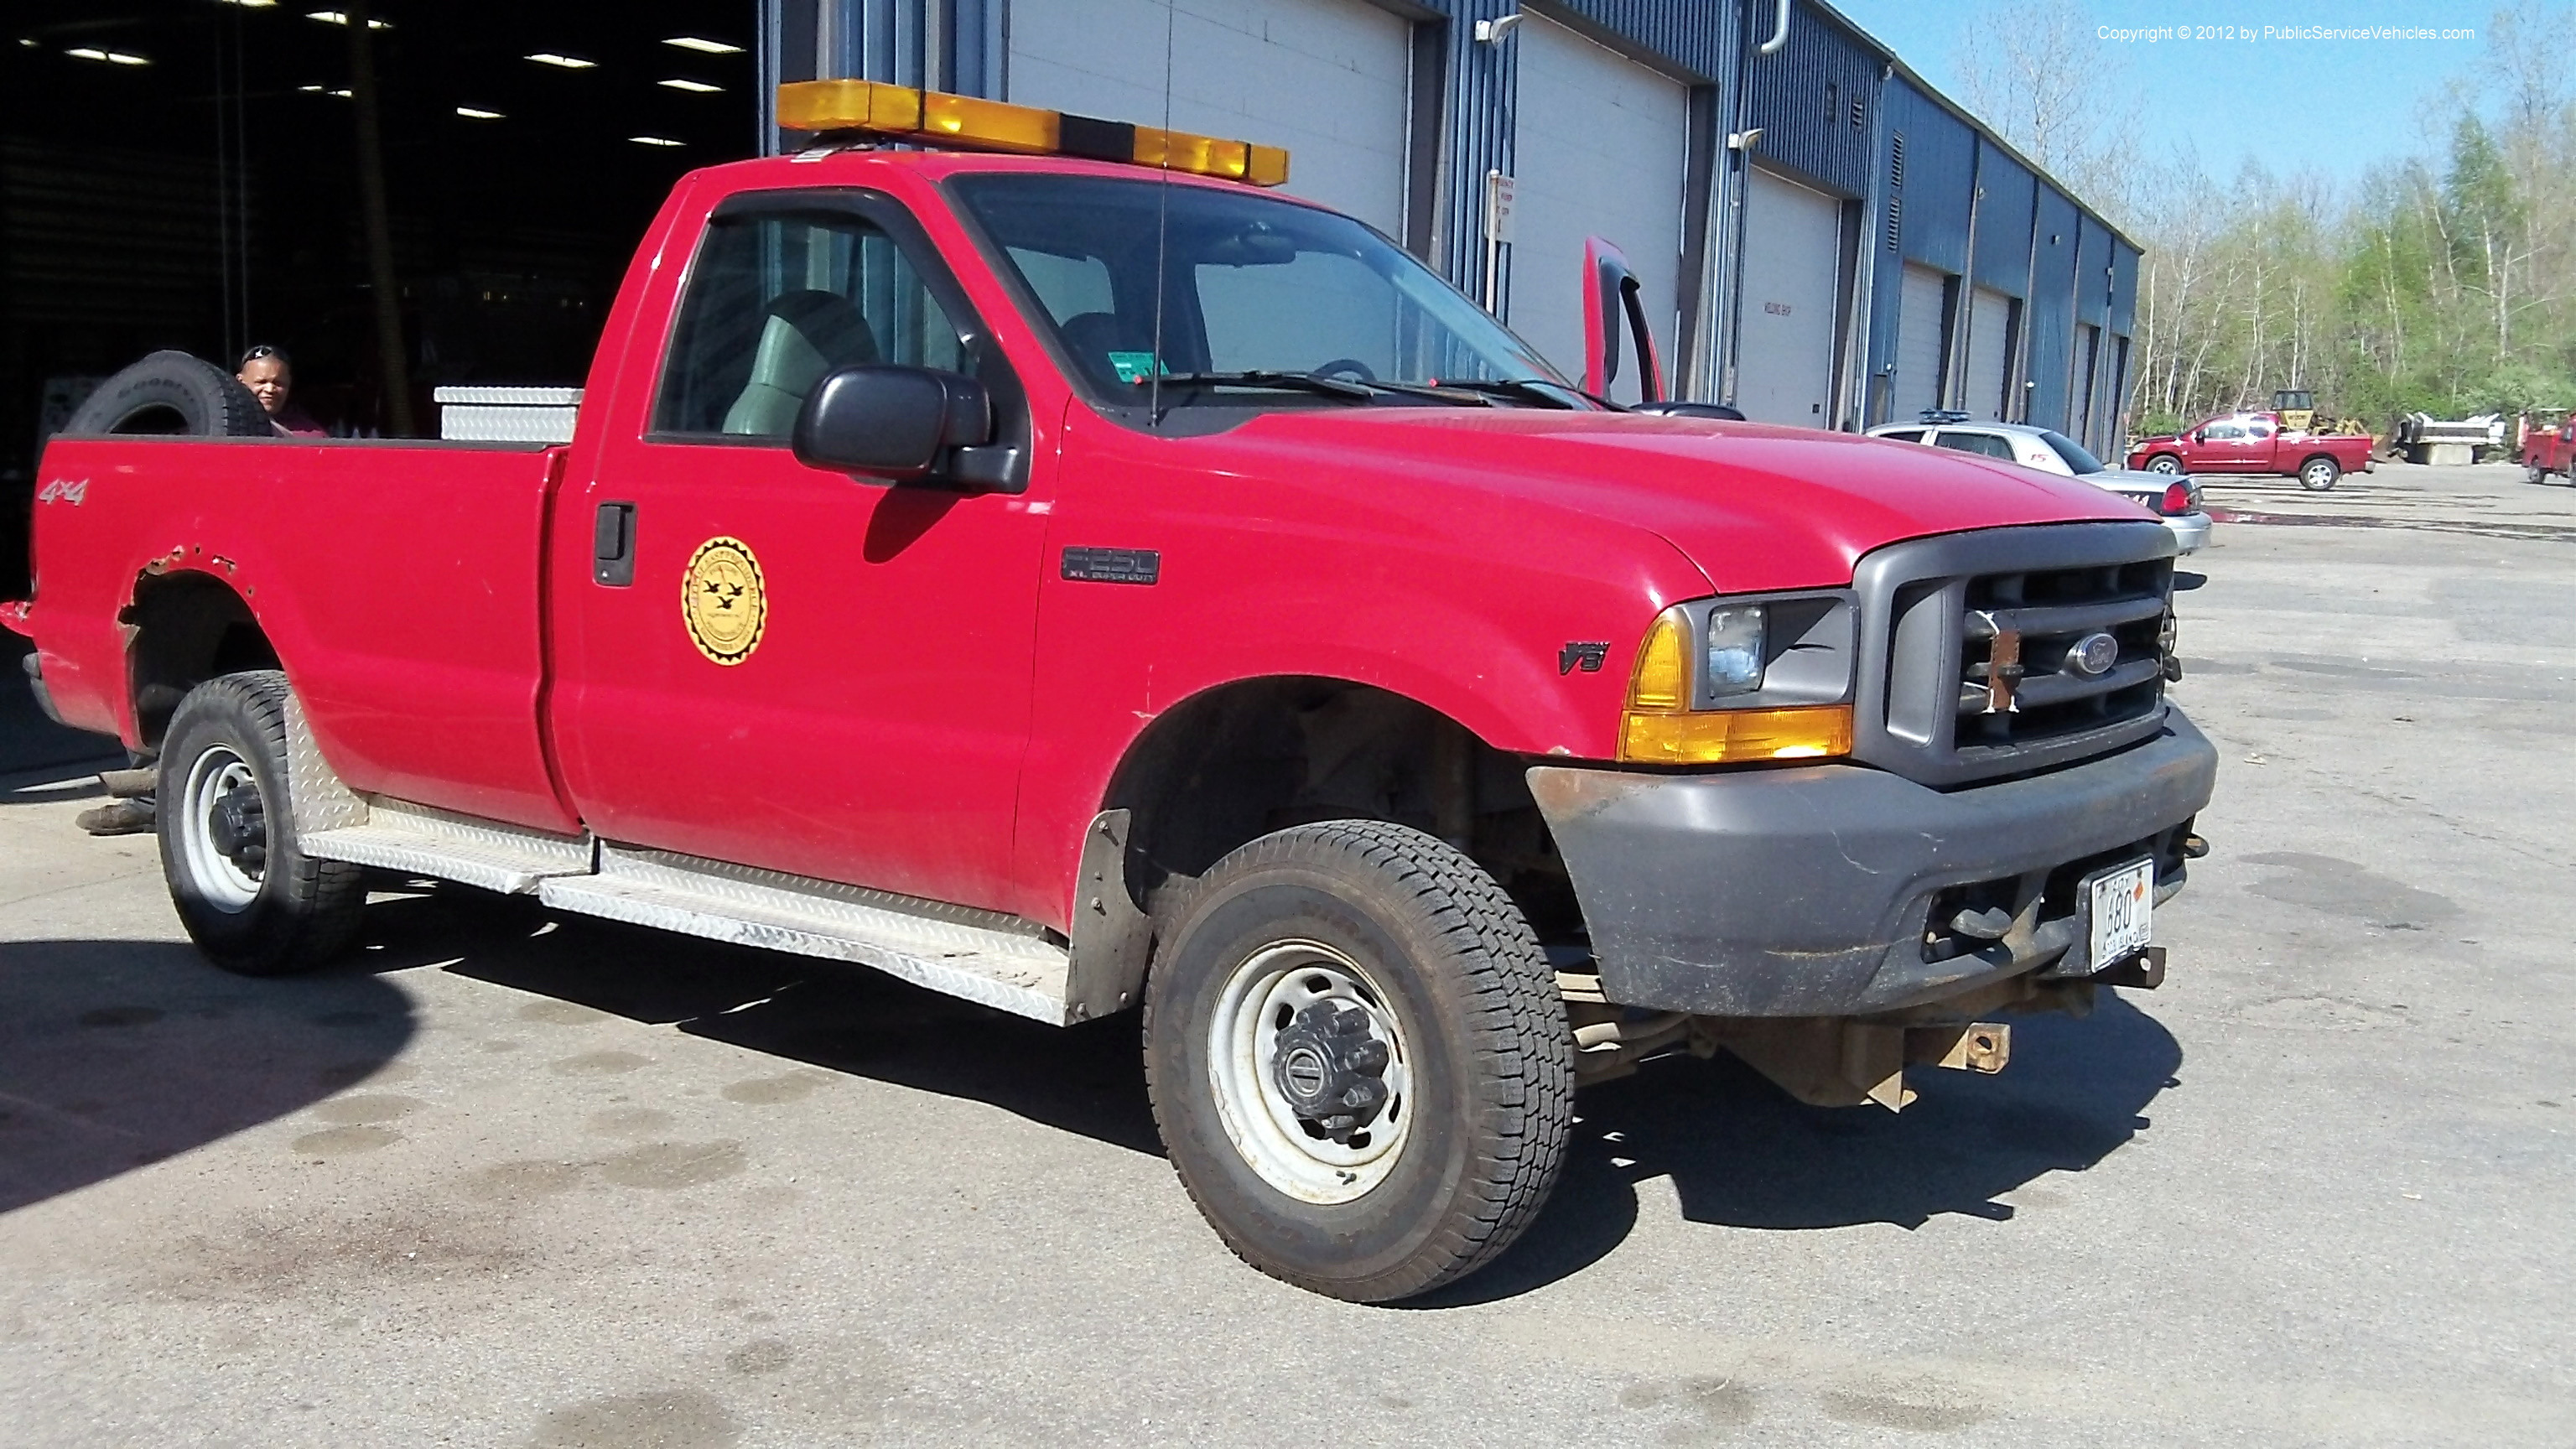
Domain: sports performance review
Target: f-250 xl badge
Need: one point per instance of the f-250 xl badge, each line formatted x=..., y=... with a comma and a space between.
x=1586, y=657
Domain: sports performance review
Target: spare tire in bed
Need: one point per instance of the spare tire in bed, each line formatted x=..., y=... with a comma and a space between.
x=171, y=394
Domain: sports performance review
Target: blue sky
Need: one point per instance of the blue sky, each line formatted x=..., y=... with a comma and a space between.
x=2334, y=107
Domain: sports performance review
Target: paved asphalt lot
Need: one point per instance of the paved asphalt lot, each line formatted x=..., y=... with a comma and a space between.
x=503, y=1182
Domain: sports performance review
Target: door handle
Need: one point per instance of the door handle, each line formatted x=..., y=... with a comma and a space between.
x=612, y=545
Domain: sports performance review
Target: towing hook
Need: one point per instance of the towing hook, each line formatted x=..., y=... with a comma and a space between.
x=2194, y=847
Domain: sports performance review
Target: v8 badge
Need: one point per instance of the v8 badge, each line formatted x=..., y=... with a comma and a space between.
x=722, y=600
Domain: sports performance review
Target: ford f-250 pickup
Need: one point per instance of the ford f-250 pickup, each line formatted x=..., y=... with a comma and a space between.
x=1080, y=588
x=2256, y=443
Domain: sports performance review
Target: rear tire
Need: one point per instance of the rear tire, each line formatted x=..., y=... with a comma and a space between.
x=171, y=394
x=2165, y=463
x=1294, y=964
x=2318, y=475
x=249, y=897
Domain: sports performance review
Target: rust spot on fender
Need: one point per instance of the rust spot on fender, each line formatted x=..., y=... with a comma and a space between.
x=1565, y=793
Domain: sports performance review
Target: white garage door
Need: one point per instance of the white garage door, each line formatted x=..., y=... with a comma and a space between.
x=1989, y=354
x=1784, y=360
x=1601, y=145
x=1920, y=343
x=1328, y=79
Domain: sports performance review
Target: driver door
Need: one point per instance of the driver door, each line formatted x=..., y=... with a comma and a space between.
x=792, y=668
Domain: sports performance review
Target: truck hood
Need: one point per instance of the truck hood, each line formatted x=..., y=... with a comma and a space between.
x=1754, y=506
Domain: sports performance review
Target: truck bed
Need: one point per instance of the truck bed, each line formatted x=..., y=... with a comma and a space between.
x=397, y=582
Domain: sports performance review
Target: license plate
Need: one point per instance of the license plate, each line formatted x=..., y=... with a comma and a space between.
x=2124, y=901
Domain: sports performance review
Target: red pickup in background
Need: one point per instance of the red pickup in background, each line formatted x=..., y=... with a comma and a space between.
x=2255, y=443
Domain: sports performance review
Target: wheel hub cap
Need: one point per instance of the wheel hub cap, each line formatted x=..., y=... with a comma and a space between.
x=238, y=825
x=1331, y=1067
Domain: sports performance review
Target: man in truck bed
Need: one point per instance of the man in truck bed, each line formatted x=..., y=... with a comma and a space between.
x=1079, y=587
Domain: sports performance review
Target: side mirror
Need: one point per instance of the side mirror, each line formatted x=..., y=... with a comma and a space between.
x=2200, y=435
x=904, y=425
x=1612, y=296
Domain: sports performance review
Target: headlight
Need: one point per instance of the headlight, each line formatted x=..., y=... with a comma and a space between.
x=1723, y=681
x=1735, y=649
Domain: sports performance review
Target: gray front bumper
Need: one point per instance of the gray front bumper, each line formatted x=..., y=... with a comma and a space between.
x=1805, y=891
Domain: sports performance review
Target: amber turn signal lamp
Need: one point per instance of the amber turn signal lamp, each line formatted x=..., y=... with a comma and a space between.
x=1737, y=736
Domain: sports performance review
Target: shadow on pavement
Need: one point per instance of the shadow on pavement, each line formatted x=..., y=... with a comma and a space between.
x=28, y=740
x=116, y=1054
x=1743, y=1154
x=1087, y=1079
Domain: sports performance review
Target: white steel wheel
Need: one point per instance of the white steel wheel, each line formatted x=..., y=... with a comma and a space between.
x=248, y=895
x=2165, y=463
x=223, y=830
x=1310, y=1074
x=2319, y=474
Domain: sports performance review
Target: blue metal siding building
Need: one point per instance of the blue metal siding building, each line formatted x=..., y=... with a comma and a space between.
x=1827, y=153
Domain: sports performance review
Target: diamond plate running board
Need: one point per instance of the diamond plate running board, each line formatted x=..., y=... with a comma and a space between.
x=1012, y=971
x=400, y=836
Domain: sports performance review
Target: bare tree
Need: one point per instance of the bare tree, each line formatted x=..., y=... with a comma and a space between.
x=2033, y=70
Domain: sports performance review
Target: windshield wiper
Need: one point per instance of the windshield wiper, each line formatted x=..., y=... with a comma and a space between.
x=1265, y=378
x=1529, y=389
x=1346, y=387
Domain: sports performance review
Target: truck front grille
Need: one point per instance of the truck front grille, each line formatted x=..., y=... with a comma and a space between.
x=1974, y=665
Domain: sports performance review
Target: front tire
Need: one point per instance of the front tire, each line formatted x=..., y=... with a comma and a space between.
x=2165, y=463
x=1358, y=1060
x=2318, y=475
x=245, y=891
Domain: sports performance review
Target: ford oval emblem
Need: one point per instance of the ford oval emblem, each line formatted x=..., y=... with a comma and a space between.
x=2093, y=655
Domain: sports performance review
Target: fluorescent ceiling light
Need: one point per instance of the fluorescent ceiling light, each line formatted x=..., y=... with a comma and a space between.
x=323, y=91
x=567, y=62
x=253, y=4
x=83, y=52
x=702, y=46
x=111, y=57
x=693, y=87
x=652, y=140
x=31, y=44
x=476, y=113
x=120, y=57
x=341, y=17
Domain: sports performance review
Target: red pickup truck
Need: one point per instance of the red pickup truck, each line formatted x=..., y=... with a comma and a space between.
x=1077, y=588
x=2256, y=443
x=2550, y=449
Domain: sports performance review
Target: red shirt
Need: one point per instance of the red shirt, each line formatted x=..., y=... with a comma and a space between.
x=294, y=422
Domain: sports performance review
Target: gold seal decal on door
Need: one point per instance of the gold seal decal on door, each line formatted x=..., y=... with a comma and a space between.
x=722, y=601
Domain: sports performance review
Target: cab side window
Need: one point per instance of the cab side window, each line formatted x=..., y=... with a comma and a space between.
x=776, y=303
x=1986, y=444
x=2225, y=432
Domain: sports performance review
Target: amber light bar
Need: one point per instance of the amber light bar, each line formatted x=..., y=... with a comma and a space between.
x=934, y=118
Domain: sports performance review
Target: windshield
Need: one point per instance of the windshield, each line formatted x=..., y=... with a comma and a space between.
x=2073, y=452
x=1254, y=289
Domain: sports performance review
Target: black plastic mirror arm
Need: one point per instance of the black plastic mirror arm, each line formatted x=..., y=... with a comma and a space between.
x=990, y=468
